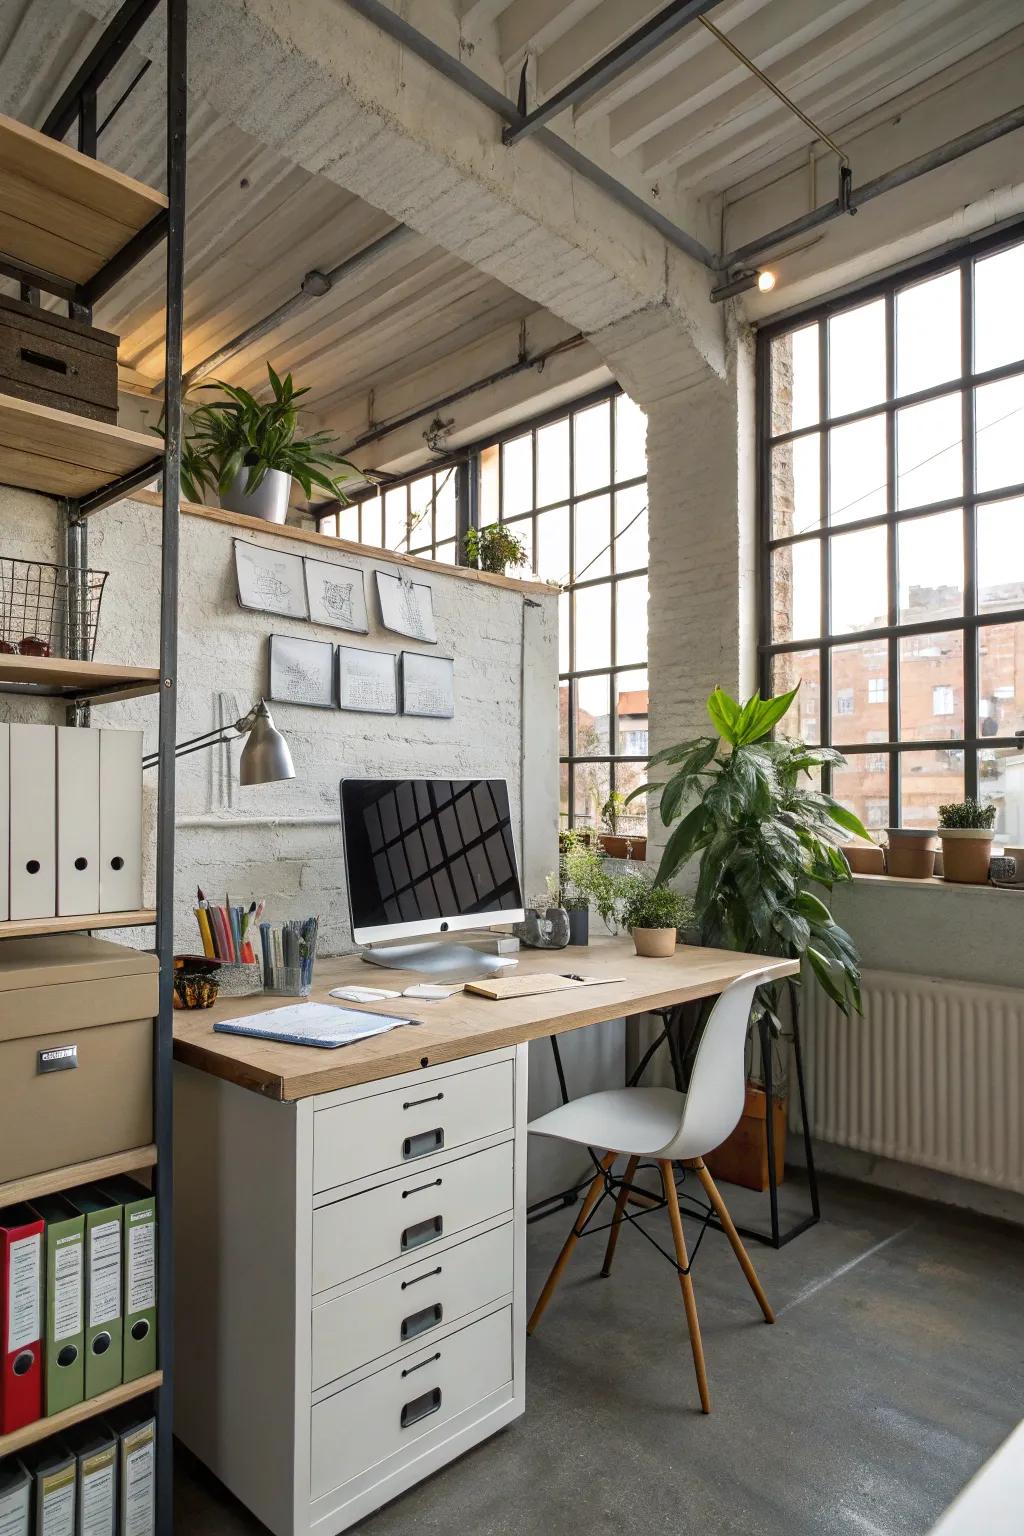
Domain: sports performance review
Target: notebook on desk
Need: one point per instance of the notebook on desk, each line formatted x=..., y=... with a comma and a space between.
x=532, y=986
x=318, y=1024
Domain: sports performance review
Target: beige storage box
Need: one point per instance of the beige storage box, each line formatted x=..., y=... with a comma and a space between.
x=76, y=1051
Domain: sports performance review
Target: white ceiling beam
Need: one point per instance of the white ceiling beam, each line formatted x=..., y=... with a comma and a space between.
x=477, y=14
x=535, y=24
x=567, y=56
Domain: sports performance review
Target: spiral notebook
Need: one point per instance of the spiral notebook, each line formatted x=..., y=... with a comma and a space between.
x=318, y=1024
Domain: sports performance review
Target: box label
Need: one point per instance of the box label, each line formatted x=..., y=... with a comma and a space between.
x=141, y=1262
x=58, y=1504
x=25, y=1291
x=14, y=1507
x=104, y=1273
x=139, y=1484
x=97, y=1495
x=67, y=1289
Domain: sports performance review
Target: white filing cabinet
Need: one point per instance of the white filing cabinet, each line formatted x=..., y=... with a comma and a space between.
x=350, y=1282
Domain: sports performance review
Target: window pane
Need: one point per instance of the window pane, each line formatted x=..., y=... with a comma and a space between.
x=1000, y=784
x=372, y=513
x=1000, y=555
x=563, y=719
x=932, y=686
x=592, y=430
x=794, y=367
x=563, y=631
x=860, y=692
x=856, y=358
x=630, y=439
x=563, y=796
x=863, y=786
x=396, y=513
x=553, y=544
x=631, y=710
x=927, y=780
x=929, y=465
x=593, y=626
x=998, y=315
x=348, y=524
x=630, y=621
x=523, y=529
x=856, y=471
x=999, y=434
x=592, y=697
x=328, y=526
x=590, y=791
x=802, y=721
x=928, y=333
x=632, y=822
x=553, y=463
x=592, y=554
x=446, y=553
x=444, y=509
x=517, y=475
x=1001, y=680
x=490, y=501
x=931, y=566
x=631, y=529
x=796, y=591
x=796, y=486
x=859, y=582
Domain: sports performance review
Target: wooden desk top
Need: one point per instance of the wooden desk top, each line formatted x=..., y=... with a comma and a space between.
x=462, y=1025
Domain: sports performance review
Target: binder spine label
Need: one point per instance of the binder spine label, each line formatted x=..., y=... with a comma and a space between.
x=141, y=1261
x=58, y=1503
x=25, y=1291
x=14, y=1507
x=96, y=1517
x=67, y=1288
x=104, y=1273
x=139, y=1482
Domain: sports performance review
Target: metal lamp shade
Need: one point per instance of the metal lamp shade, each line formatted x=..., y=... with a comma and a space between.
x=265, y=756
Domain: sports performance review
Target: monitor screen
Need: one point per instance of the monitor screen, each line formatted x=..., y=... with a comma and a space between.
x=428, y=855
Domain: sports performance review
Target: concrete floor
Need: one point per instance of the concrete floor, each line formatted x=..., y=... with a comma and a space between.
x=893, y=1371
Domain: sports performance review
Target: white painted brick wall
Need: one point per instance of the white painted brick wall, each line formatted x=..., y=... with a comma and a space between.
x=283, y=840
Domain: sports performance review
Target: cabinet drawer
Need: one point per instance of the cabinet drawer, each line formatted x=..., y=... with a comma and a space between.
x=410, y=1304
x=389, y=1130
x=355, y=1235
x=381, y=1415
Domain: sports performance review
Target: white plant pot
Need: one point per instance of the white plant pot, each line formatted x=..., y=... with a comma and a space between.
x=269, y=501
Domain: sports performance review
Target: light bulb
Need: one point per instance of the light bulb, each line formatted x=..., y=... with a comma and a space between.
x=766, y=281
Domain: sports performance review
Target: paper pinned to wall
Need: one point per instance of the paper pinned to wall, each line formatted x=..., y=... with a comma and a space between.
x=406, y=607
x=269, y=581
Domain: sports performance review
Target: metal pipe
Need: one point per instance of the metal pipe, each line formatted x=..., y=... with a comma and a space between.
x=931, y=160
x=613, y=64
x=116, y=38
x=461, y=75
x=314, y=285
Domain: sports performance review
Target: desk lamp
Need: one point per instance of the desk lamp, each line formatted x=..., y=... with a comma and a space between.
x=265, y=757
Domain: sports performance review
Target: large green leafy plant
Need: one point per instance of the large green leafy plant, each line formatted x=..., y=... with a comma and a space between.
x=225, y=436
x=767, y=839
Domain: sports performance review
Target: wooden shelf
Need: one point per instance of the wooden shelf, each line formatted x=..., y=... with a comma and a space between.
x=33, y=927
x=63, y=212
x=89, y=681
x=55, y=1179
x=42, y=1429
x=61, y=454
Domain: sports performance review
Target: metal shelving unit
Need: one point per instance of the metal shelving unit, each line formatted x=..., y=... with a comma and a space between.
x=73, y=228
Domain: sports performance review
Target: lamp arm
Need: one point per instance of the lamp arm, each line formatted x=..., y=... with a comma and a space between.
x=198, y=743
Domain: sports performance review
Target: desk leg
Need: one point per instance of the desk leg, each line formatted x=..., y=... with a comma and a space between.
x=567, y=1197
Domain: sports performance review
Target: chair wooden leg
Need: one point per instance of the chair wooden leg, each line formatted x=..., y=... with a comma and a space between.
x=617, y=1220
x=722, y=1212
x=686, y=1284
x=590, y=1200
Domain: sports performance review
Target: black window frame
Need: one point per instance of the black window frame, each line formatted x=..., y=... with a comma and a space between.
x=961, y=256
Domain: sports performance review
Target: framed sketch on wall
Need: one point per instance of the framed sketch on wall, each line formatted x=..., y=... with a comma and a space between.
x=428, y=685
x=367, y=681
x=406, y=607
x=335, y=595
x=301, y=671
x=270, y=582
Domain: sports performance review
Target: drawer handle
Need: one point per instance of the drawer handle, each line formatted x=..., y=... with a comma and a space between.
x=412, y=1369
x=423, y=1144
x=421, y=1322
x=421, y=1407
x=434, y=1098
x=428, y=1276
x=422, y=1232
x=41, y=360
x=419, y=1188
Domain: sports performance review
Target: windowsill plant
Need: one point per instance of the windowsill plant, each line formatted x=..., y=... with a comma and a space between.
x=494, y=548
x=615, y=844
x=966, y=830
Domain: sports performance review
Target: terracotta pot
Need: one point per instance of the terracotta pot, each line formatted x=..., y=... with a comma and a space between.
x=654, y=943
x=865, y=858
x=911, y=852
x=966, y=853
x=742, y=1157
x=617, y=847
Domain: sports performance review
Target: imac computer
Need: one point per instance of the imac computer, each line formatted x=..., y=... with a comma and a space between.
x=428, y=856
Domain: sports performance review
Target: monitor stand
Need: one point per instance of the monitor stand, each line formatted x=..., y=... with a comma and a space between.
x=443, y=960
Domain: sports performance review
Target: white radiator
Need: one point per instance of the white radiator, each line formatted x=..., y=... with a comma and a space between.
x=932, y=1074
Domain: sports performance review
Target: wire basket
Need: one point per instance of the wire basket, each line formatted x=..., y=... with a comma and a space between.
x=48, y=610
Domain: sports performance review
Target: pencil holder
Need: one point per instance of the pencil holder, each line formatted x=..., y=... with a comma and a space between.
x=240, y=980
x=288, y=949
x=291, y=980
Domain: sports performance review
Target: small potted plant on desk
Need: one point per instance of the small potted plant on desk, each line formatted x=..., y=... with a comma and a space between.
x=654, y=914
x=583, y=880
x=965, y=828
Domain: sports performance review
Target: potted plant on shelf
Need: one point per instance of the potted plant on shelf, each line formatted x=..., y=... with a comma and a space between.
x=769, y=850
x=654, y=914
x=911, y=852
x=250, y=451
x=966, y=830
x=615, y=844
x=494, y=548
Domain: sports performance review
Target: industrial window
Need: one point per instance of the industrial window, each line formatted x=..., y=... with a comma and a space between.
x=574, y=488
x=892, y=496
x=413, y=517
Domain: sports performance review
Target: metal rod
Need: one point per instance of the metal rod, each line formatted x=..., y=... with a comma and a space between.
x=177, y=119
x=119, y=103
x=118, y=489
x=127, y=257
x=776, y=90
x=314, y=286
x=932, y=160
x=614, y=63
x=461, y=75
x=98, y=63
